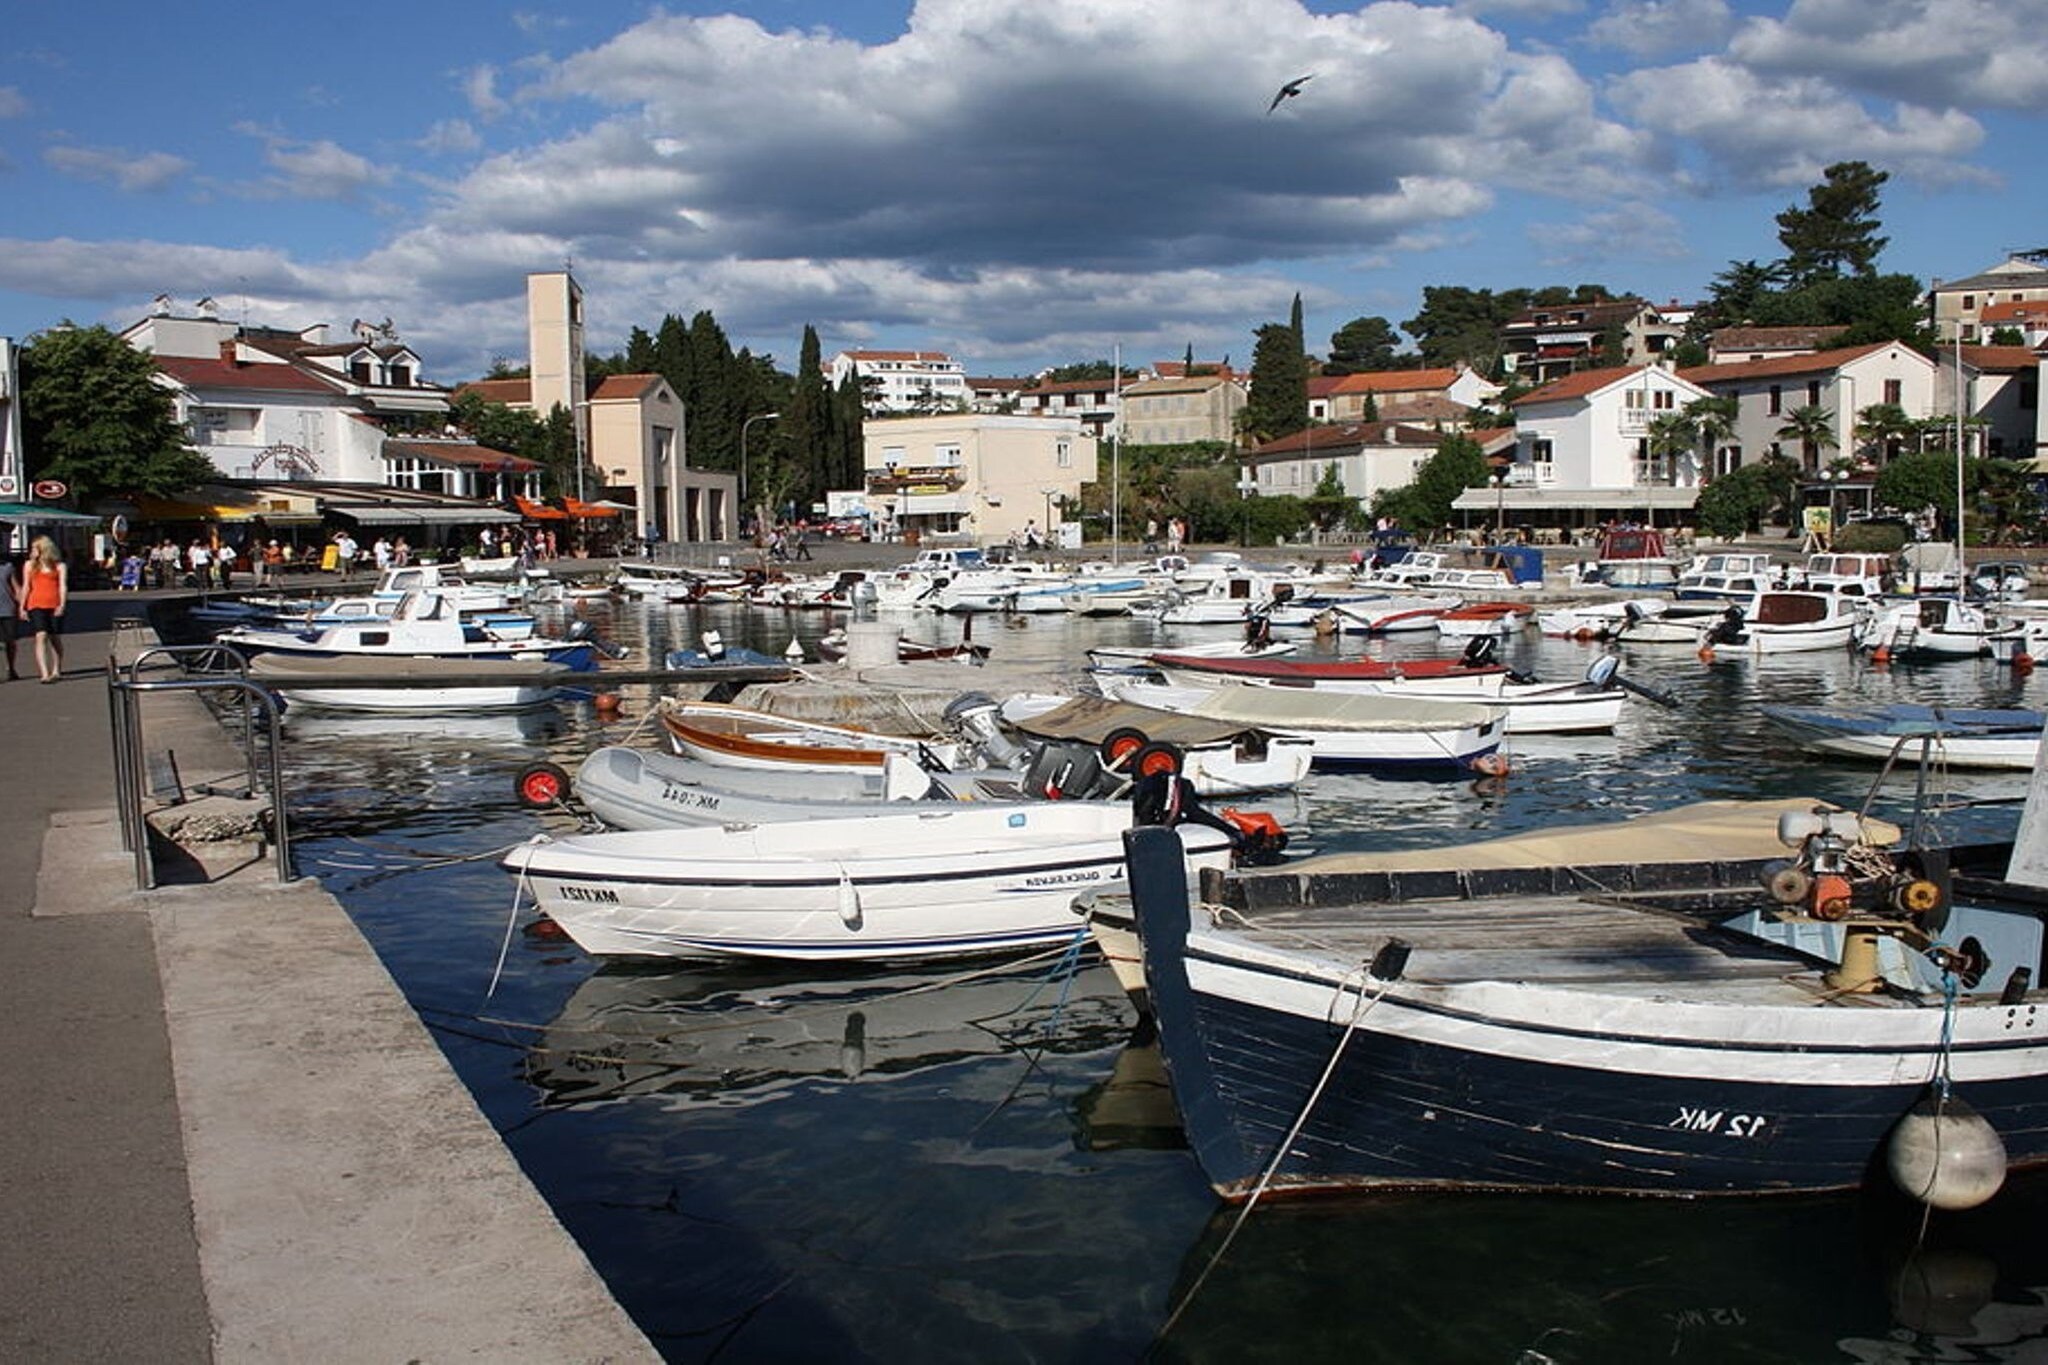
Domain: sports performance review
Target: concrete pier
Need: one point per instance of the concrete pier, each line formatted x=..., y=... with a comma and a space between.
x=227, y=1136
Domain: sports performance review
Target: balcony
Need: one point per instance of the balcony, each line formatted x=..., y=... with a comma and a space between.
x=1654, y=473
x=1634, y=421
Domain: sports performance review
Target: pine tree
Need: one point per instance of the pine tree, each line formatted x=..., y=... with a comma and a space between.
x=1837, y=232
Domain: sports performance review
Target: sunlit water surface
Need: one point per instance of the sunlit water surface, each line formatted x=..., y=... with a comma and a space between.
x=981, y=1162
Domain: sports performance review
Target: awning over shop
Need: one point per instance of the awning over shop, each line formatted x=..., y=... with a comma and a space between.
x=28, y=514
x=1658, y=497
x=276, y=510
x=578, y=508
x=538, y=511
x=396, y=514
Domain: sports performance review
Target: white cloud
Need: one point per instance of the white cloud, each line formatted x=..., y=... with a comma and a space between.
x=1659, y=28
x=116, y=272
x=480, y=88
x=451, y=136
x=1625, y=232
x=133, y=171
x=13, y=104
x=1957, y=53
x=319, y=169
x=1762, y=132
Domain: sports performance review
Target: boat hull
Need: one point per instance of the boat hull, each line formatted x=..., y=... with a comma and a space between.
x=993, y=879
x=1518, y=1084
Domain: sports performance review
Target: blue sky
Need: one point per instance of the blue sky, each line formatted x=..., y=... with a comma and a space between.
x=1018, y=182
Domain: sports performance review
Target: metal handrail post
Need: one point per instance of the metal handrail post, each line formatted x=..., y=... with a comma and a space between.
x=124, y=780
x=253, y=693
x=241, y=671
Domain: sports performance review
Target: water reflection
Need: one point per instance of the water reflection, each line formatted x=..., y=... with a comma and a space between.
x=1536, y=1279
x=774, y=1164
x=744, y=1034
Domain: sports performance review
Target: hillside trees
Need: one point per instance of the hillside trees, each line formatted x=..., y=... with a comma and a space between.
x=1363, y=345
x=1278, y=401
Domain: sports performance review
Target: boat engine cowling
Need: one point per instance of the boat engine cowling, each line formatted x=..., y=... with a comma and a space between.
x=978, y=720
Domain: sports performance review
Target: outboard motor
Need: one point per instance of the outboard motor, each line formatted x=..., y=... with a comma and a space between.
x=1479, y=653
x=1729, y=629
x=580, y=631
x=976, y=718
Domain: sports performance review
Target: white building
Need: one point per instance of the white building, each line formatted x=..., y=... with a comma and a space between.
x=904, y=381
x=1840, y=383
x=975, y=478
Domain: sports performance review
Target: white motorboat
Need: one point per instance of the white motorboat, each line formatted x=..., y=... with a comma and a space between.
x=422, y=624
x=1390, y=615
x=1926, y=629
x=1592, y=705
x=877, y=888
x=1727, y=576
x=1786, y=622
x=1350, y=731
x=430, y=685
x=1954, y=736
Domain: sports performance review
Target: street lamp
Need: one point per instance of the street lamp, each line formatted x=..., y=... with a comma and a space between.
x=757, y=417
x=1247, y=485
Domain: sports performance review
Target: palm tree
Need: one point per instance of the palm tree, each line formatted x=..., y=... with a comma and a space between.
x=1880, y=428
x=1670, y=435
x=1713, y=420
x=1813, y=428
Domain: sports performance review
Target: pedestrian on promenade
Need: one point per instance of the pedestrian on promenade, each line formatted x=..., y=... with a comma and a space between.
x=45, y=593
x=10, y=607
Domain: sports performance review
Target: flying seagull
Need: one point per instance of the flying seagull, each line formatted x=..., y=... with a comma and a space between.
x=1290, y=90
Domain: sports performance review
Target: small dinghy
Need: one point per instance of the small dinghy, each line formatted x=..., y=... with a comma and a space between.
x=878, y=888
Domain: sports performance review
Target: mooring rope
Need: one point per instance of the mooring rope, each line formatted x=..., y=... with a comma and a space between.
x=1365, y=1003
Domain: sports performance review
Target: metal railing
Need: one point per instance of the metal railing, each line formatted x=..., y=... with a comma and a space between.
x=125, y=689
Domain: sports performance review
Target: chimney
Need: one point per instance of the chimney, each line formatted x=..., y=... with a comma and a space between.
x=228, y=354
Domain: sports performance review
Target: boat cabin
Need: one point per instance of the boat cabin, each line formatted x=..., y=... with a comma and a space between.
x=1852, y=575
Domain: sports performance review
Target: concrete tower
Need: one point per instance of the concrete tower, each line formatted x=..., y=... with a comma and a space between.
x=554, y=343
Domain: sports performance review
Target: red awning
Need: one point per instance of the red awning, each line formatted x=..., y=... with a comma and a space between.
x=578, y=508
x=538, y=511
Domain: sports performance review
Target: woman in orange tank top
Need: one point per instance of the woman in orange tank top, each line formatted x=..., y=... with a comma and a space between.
x=45, y=592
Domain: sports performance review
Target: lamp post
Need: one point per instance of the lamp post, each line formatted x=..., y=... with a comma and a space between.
x=757, y=417
x=1247, y=485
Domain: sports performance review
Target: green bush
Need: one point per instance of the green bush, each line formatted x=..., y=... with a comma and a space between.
x=1881, y=538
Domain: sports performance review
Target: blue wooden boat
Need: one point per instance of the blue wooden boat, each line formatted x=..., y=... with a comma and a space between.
x=1594, y=1024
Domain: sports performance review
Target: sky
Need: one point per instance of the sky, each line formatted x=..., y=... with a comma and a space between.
x=1018, y=183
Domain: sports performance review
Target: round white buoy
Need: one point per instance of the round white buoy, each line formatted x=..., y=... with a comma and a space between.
x=1946, y=1155
x=795, y=652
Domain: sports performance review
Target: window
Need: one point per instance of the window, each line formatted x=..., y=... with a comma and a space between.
x=1633, y=398
x=1541, y=451
x=1063, y=454
x=1813, y=393
x=1666, y=400
x=2030, y=393
x=1969, y=302
x=1894, y=390
x=1777, y=404
x=946, y=456
x=401, y=376
x=359, y=370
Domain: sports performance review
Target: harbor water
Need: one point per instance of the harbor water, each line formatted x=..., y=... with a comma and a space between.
x=981, y=1161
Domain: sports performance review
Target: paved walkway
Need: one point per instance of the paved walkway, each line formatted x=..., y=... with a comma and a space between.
x=226, y=1136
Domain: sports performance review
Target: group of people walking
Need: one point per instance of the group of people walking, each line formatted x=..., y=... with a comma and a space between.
x=35, y=589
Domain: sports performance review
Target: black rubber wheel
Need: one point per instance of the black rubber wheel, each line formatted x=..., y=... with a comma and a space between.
x=1119, y=744
x=541, y=786
x=1156, y=758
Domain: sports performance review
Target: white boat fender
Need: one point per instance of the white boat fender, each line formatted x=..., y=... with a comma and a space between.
x=1945, y=1154
x=849, y=900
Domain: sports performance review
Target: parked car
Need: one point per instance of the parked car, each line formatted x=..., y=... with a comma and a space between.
x=846, y=528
